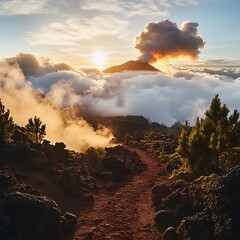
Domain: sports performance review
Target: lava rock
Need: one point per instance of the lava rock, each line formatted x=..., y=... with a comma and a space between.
x=179, y=202
x=114, y=165
x=5, y=181
x=61, y=153
x=165, y=219
x=158, y=193
x=30, y=155
x=223, y=201
x=170, y=234
x=197, y=227
x=5, y=223
x=39, y=218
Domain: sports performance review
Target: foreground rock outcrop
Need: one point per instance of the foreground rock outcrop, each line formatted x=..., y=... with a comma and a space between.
x=25, y=216
x=205, y=209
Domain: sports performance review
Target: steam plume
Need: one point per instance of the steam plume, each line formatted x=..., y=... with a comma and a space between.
x=24, y=102
x=164, y=40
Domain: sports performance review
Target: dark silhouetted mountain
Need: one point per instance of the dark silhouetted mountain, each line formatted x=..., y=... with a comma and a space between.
x=131, y=66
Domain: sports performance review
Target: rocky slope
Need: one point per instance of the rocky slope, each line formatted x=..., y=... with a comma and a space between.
x=115, y=193
x=41, y=183
x=207, y=208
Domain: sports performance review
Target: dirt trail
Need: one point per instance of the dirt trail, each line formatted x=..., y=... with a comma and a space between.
x=128, y=214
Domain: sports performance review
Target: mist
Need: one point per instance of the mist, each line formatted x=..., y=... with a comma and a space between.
x=18, y=95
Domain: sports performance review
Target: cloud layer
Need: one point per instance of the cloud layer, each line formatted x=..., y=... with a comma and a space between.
x=161, y=97
x=63, y=98
x=164, y=40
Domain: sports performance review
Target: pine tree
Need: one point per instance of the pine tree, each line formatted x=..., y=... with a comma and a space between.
x=210, y=137
x=234, y=129
x=35, y=130
x=6, y=124
x=183, y=139
x=199, y=153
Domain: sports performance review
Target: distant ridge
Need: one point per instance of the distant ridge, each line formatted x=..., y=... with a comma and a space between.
x=131, y=66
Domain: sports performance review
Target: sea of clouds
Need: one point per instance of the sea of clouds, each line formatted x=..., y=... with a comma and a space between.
x=62, y=97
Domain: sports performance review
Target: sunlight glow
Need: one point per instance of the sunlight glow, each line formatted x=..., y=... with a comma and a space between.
x=99, y=59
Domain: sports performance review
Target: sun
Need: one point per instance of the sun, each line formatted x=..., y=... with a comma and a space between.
x=99, y=59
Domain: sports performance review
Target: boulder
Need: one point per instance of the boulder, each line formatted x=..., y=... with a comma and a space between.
x=5, y=182
x=165, y=219
x=179, y=202
x=158, y=193
x=223, y=202
x=113, y=164
x=39, y=218
x=197, y=227
x=30, y=155
x=170, y=234
x=5, y=223
x=61, y=153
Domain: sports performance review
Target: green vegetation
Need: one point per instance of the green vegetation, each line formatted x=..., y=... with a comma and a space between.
x=35, y=130
x=201, y=147
x=6, y=124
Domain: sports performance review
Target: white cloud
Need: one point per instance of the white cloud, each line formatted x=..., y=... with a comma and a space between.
x=22, y=7
x=160, y=97
x=76, y=29
x=185, y=2
x=104, y=5
x=136, y=7
x=129, y=8
x=163, y=3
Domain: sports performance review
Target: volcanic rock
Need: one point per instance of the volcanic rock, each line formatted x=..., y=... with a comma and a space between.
x=38, y=218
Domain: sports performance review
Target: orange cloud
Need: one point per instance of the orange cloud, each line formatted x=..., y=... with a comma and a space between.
x=164, y=41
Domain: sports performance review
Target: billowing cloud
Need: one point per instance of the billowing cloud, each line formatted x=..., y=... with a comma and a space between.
x=31, y=66
x=160, y=97
x=76, y=29
x=164, y=40
x=24, y=102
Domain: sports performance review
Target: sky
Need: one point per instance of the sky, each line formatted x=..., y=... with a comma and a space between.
x=92, y=33
x=52, y=49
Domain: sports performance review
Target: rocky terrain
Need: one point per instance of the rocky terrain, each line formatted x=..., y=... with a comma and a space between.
x=40, y=184
x=204, y=209
x=125, y=192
